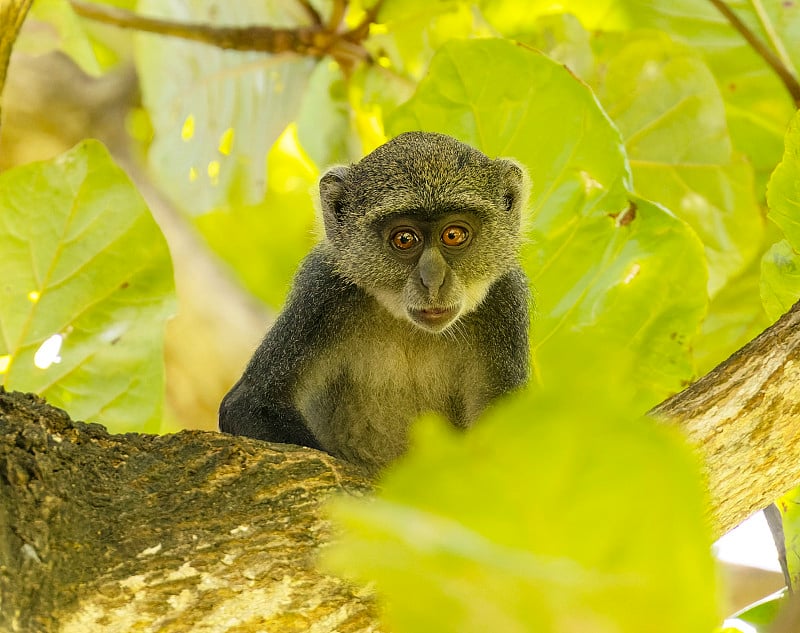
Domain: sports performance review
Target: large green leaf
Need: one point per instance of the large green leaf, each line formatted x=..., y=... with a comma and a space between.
x=669, y=110
x=553, y=514
x=86, y=287
x=780, y=279
x=600, y=260
x=216, y=113
x=735, y=317
x=758, y=105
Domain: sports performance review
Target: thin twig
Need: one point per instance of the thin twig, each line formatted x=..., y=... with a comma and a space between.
x=361, y=30
x=252, y=38
x=789, y=80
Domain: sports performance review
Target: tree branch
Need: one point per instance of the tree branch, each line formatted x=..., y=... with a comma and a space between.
x=193, y=531
x=743, y=418
x=317, y=40
x=790, y=82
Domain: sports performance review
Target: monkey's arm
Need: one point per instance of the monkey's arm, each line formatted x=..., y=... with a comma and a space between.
x=261, y=403
x=503, y=332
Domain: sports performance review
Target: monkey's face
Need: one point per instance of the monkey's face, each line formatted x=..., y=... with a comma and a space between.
x=424, y=261
x=425, y=224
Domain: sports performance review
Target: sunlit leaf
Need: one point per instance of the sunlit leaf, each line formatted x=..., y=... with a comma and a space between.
x=780, y=279
x=758, y=106
x=600, y=260
x=735, y=317
x=668, y=108
x=789, y=508
x=783, y=194
x=762, y=615
x=198, y=96
x=86, y=287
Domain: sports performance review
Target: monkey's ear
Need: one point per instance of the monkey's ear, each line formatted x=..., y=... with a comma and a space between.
x=516, y=184
x=331, y=196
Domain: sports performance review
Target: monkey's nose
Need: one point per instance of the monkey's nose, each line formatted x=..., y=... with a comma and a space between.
x=432, y=270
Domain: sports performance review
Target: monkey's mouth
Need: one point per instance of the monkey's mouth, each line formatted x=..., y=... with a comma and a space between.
x=434, y=318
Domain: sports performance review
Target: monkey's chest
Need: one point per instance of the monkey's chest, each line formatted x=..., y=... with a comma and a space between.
x=360, y=397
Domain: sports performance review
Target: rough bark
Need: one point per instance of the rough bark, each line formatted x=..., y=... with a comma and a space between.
x=194, y=531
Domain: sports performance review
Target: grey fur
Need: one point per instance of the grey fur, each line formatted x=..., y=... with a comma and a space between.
x=372, y=335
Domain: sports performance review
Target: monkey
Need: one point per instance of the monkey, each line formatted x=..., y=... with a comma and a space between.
x=414, y=301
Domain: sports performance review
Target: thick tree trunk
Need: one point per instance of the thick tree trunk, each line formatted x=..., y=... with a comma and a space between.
x=195, y=531
x=200, y=531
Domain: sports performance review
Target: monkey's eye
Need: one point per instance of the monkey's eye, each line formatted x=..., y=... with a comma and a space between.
x=404, y=239
x=455, y=235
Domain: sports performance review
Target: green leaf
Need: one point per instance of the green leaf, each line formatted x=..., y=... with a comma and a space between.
x=562, y=37
x=216, y=113
x=86, y=287
x=735, y=317
x=536, y=522
x=789, y=507
x=763, y=614
x=758, y=106
x=411, y=31
x=780, y=267
x=668, y=108
x=600, y=260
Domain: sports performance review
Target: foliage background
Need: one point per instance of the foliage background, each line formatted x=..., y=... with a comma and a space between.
x=651, y=131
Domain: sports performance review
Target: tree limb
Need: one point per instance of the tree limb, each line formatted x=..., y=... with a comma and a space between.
x=318, y=40
x=743, y=418
x=194, y=531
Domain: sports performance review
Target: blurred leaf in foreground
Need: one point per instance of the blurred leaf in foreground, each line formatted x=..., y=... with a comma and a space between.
x=555, y=513
x=85, y=287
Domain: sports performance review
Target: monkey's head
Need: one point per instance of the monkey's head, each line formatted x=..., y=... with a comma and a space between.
x=425, y=224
